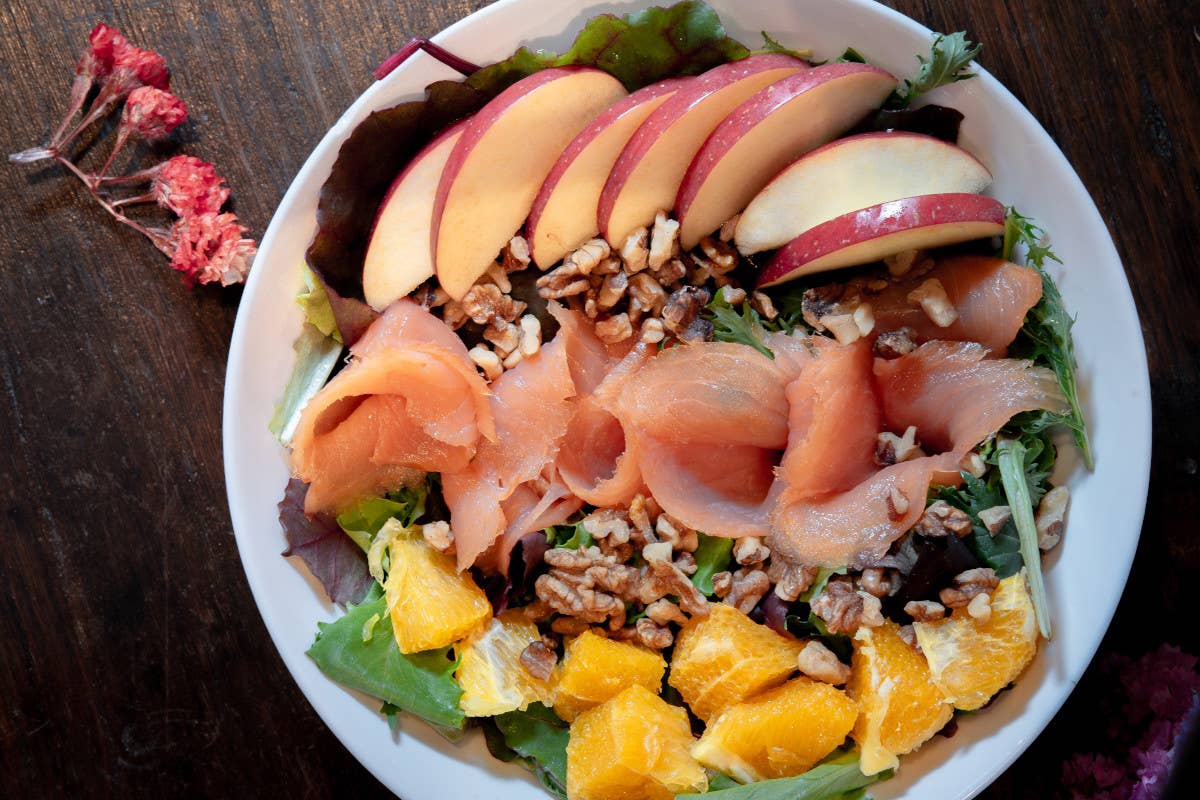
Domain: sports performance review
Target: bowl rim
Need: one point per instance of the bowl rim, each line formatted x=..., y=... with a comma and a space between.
x=369, y=99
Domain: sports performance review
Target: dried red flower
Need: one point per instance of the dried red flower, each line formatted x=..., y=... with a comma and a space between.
x=208, y=248
x=187, y=186
x=151, y=113
x=134, y=67
x=97, y=61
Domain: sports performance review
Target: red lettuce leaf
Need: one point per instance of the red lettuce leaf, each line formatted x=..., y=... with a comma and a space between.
x=336, y=561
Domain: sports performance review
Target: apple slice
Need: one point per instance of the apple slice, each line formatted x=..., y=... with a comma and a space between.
x=563, y=215
x=869, y=234
x=850, y=174
x=501, y=160
x=648, y=172
x=766, y=133
x=399, y=255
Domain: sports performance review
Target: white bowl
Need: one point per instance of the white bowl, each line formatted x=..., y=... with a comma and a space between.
x=1085, y=575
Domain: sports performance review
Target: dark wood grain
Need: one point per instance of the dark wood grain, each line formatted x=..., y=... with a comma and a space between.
x=133, y=660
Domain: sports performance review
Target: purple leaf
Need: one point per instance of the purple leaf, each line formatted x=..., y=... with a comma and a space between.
x=353, y=317
x=332, y=557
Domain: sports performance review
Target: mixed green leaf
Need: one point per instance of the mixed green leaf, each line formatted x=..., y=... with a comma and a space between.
x=837, y=778
x=713, y=555
x=1013, y=460
x=535, y=738
x=1046, y=335
x=729, y=325
x=949, y=58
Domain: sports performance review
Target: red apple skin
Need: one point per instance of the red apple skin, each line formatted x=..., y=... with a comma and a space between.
x=425, y=270
x=622, y=108
x=669, y=112
x=860, y=87
x=928, y=220
x=477, y=128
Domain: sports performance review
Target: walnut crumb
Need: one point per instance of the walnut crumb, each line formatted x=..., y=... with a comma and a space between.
x=616, y=328
x=840, y=606
x=653, y=635
x=1051, y=517
x=487, y=361
x=438, y=536
x=893, y=344
x=932, y=298
x=925, y=610
x=995, y=518
x=750, y=551
x=980, y=607
x=968, y=585
x=485, y=303
x=897, y=503
x=635, y=252
x=729, y=228
x=664, y=240
x=819, y=663
x=892, y=449
x=722, y=583
x=790, y=580
x=664, y=611
x=538, y=660
x=879, y=582
x=748, y=587
x=942, y=519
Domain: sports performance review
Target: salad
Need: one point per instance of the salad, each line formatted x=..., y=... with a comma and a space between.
x=681, y=415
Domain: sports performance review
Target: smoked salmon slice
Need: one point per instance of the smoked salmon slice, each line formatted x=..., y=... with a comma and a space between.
x=709, y=421
x=990, y=295
x=532, y=508
x=410, y=401
x=530, y=404
x=956, y=398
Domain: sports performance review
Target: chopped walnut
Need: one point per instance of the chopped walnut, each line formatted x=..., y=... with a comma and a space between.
x=657, y=551
x=686, y=562
x=733, y=295
x=840, y=606
x=504, y=336
x=892, y=449
x=664, y=611
x=750, y=551
x=908, y=635
x=729, y=228
x=901, y=263
x=612, y=291
x=721, y=255
x=749, y=586
x=893, y=344
x=932, y=298
x=531, y=335
x=878, y=581
x=516, y=255
x=973, y=464
x=680, y=536
x=925, y=610
x=819, y=663
x=872, y=613
x=616, y=328
x=653, y=331
x=819, y=302
x=635, y=252
x=564, y=281
x=537, y=611
x=995, y=518
x=664, y=578
x=698, y=330
x=1051, y=517
x=897, y=502
x=642, y=514
x=608, y=523
x=609, y=266
x=538, y=660
x=761, y=303
x=722, y=583
x=578, y=601
x=671, y=272
x=980, y=607
x=497, y=275
x=653, y=635
x=487, y=361
x=968, y=585
x=790, y=580
x=647, y=293
x=438, y=536
x=589, y=256
x=843, y=327
x=664, y=240
x=876, y=285
x=943, y=519
x=864, y=319
x=513, y=358
x=454, y=315
x=683, y=307
x=484, y=303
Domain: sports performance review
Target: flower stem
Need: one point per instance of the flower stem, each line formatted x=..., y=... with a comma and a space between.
x=100, y=107
x=79, y=90
x=412, y=46
x=122, y=137
x=158, y=238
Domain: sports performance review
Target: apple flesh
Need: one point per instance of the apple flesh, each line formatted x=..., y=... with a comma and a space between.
x=766, y=133
x=501, y=160
x=853, y=173
x=563, y=215
x=399, y=256
x=869, y=234
x=646, y=176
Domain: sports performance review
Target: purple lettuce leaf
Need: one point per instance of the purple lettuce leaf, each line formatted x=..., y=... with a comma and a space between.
x=332, y=557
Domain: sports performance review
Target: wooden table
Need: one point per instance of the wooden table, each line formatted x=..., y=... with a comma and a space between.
x=133, y=660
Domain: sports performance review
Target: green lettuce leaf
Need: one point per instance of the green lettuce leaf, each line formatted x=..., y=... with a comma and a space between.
x=421, y=683
x=637, y=49
x=712, y=556
x=362, y=521
x=838, y=778
x=536, y=738
x=316, y=356
x=571, y=536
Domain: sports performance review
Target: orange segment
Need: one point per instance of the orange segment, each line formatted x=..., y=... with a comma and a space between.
x=490, y=672
x=633, y=747
x=780, y=733
x=431, y=603
x=972, y=660
x=725, y=658
x=595, y=669
x=900, y=706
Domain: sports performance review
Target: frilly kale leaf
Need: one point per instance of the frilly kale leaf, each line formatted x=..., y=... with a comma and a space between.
x=947, y=63
x=730, y=326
